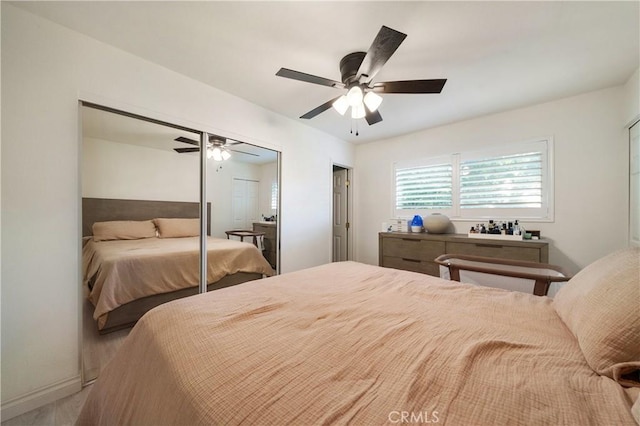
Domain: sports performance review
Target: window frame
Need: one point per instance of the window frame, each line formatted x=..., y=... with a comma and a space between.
x=543, y=214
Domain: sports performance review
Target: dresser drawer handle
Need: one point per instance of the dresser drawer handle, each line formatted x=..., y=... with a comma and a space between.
x=410, y=260
x=411, y=239
x=488, y=246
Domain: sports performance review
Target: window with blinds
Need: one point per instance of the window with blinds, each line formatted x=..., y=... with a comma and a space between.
x=510, y=181
x=274, y=195
x=507, y=182
x=424, y=187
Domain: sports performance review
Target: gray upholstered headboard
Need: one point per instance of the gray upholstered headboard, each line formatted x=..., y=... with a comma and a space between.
x=105, y=209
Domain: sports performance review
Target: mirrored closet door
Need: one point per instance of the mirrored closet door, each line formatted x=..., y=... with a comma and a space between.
x=142, y=183
x=246, y=176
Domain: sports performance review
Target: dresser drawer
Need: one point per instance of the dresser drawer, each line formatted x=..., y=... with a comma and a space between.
x=269, y=231
x=422, y=266
x=530, y=254
x=413, y=249
x=417, y=252
x=270, y=241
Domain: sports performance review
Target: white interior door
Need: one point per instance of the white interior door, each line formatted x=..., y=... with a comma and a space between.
x=246, y=203
x=239, y=204
x=340, y=215
x=252, y=205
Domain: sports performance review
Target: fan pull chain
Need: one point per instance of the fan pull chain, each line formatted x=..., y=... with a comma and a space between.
x=354, y=121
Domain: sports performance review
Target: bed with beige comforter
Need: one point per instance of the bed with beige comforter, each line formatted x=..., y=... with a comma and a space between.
x=122, y=271
x=348, y=343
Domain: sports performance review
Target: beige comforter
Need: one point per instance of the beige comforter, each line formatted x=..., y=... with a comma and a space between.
x=125, y=270
x=357, y=344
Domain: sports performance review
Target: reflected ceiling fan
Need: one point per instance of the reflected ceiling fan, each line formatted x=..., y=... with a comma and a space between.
x=358, y=70
x=217, y=148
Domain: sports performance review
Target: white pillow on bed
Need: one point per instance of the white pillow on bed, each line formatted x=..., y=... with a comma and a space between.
x=177, y=228
x=123, y=230
x=601, y=307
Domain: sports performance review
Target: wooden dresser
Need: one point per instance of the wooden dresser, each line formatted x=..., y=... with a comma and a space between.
x=417, y=251
x=270, y=240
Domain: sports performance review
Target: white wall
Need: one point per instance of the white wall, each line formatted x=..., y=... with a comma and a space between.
x=118, y=170
x=632, y=98
x=45, y=70
x=591, y=163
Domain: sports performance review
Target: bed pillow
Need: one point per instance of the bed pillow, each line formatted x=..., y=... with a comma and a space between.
x=123, y=230
x=177, y=228
x=601, y=307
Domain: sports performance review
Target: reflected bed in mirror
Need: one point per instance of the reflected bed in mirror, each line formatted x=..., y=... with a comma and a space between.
x=128, y=270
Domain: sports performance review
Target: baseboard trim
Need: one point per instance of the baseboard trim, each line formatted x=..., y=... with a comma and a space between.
x=40, y=397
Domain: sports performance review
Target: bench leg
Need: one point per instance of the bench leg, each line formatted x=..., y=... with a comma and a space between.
x=541, y=287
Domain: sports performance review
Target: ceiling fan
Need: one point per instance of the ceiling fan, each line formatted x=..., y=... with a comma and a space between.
x=358, y=70
x=216, y=147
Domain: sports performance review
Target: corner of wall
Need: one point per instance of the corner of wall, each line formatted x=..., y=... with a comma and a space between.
x=632, y=98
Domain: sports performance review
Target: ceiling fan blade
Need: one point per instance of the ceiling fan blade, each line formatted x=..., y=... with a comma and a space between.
x=244, y=152
x=322, y=108
x=383, y=46
x=183, y=150
x=410, y=86
x=308, y=78
x=373, y=117
x=187, y=140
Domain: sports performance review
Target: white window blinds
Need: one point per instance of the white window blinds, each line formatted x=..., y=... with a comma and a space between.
x=274, y=195
x=510, y=181
x=424, y=187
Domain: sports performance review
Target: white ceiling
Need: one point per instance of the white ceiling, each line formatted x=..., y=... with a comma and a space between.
x=108, y=126
x=495, y=55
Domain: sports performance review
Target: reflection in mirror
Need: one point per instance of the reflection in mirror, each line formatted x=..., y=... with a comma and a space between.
x=141, y=243
x=243, y=191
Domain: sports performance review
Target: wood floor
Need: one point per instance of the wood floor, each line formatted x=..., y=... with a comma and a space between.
x=97, y=350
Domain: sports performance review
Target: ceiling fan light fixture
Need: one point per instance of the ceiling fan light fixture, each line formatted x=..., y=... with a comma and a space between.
x=215, y=150
x=216, y=154
x=341, y=105
x=354, y=96
x=372, y=101
x=358, y=71
x=357, y=111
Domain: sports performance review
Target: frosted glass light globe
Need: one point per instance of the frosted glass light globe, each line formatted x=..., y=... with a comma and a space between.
x=358, y=111
x=341, y=104
x=372, y=101
x=354, y=96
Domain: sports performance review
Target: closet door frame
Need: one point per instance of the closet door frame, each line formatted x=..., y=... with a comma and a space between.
x=634, y=182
